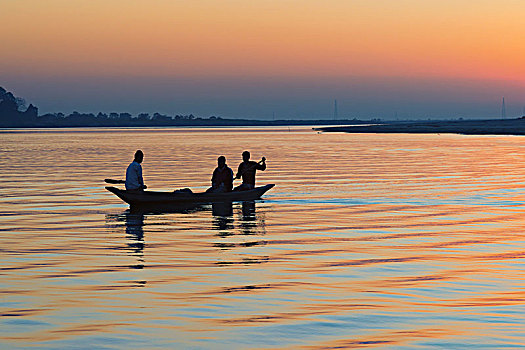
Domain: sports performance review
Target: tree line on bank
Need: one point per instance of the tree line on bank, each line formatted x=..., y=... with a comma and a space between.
x=15, y=114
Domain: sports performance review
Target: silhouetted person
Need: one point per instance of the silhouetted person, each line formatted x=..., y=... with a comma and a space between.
x=222, y=178
x=247, y=171
x=134, y=181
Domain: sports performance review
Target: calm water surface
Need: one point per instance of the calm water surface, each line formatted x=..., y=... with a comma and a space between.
x=367, y=241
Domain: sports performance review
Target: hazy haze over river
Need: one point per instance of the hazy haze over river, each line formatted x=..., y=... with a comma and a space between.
x=367, y=240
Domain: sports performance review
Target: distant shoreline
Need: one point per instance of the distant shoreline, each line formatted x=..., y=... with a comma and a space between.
x=14, y=114
x=464, y=127
x=157, y=127
x=197, y=122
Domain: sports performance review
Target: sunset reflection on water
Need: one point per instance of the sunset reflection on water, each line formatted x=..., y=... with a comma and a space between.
x=367, y=241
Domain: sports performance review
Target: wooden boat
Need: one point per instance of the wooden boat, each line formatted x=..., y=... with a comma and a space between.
x=164, y=199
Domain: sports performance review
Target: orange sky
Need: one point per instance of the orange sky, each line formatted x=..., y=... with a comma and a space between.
x=458, y=39
x=404, y=37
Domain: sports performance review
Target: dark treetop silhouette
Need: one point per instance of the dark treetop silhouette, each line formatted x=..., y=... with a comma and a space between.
x=11, y=114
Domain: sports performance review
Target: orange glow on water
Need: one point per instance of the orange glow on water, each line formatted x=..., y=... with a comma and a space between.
x=367, y=240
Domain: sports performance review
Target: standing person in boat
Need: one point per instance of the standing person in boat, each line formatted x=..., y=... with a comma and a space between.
x=222, y=178
x=134, y=181
x=247, y=171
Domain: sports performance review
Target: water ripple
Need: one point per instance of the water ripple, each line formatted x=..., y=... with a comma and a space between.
x=367, y=241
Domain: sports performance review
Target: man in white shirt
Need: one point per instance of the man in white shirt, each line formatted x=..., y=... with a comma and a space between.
x=134, y=181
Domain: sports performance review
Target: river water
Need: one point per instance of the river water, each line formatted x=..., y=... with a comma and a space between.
x=366, y=241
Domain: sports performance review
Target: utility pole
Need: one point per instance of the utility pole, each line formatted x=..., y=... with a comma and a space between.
x=503, y=111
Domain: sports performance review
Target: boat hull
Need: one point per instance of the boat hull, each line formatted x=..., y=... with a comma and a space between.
x=179, y=199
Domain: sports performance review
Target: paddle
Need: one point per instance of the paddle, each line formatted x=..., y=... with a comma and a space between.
x=249, y=169
x=111, y=181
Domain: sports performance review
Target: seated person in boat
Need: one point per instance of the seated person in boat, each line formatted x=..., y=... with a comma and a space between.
x=247, y=171
x=222, y=178
x=134, y=181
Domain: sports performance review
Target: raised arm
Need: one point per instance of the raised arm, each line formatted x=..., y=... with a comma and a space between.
x=261, y=165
